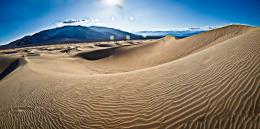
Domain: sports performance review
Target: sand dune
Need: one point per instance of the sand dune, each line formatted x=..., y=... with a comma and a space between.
x=207, y=81
x=168, y=49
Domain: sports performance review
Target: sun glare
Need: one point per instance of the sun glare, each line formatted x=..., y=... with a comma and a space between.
x=113, y=2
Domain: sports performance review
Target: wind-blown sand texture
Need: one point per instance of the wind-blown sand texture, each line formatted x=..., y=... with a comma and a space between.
x=207, y=81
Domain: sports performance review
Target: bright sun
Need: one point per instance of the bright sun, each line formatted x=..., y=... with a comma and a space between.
x=113, y=2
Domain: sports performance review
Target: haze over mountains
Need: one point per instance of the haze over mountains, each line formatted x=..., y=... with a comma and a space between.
x=178, y=33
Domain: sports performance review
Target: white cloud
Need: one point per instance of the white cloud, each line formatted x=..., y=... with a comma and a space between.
x=71, y=21
x=83, y=22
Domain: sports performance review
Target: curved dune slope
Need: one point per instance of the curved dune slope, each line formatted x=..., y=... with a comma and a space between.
x=207, y=81
x=122, y=59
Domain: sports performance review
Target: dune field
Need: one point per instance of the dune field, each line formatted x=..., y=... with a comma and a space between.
x=207, y=81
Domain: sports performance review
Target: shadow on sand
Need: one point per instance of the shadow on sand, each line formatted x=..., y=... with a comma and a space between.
x=96, y=55
x=10, y=68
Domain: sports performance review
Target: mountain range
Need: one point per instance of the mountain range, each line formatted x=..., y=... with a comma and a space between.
x=73, y=34
x=70, y=34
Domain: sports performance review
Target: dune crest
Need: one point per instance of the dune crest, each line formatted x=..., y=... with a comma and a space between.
x=207, y=81
x=167, y=49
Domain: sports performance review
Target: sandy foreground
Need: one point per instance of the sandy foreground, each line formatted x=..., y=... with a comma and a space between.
x=207, y=81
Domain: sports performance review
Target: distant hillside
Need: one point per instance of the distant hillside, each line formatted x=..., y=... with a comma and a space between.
x=70, y=34
x=178, y=33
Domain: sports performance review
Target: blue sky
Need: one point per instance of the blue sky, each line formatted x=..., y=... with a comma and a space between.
x=22, y=17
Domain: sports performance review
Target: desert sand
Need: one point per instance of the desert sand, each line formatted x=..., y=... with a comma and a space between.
x=207, y=81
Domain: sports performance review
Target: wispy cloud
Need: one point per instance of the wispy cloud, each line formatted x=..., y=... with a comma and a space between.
x=71, y=21
x=83, y=22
